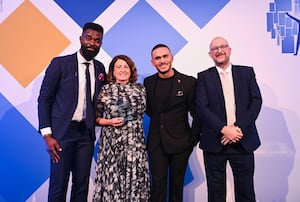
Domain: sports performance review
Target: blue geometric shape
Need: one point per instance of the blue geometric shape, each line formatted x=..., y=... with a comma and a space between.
x=95, y=155
x=270, y=22
x=289, y=32
x=283, y=5
x=288, y=44
x=201, y=11
x=282, y=31
x=82, y=11
x=295, y=28
x=280, y=25
x=289, y=23
x=24, y=160
x=146, y=123
x=273, y=33
x=188, y=177
x=137, y=32
x=281, y=18
x=276, y=18
x=272, y=7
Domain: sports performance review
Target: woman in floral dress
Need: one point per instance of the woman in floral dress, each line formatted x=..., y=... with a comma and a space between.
x=122, y=172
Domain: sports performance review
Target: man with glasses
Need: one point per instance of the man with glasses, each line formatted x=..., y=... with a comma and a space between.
x=228, y=101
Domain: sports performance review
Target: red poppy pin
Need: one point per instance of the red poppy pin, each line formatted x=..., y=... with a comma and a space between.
x=101, y=77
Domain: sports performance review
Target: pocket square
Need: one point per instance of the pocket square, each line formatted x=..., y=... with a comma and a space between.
x=101, y=77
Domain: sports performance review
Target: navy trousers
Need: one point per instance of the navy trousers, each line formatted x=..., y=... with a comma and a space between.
x=76, y=157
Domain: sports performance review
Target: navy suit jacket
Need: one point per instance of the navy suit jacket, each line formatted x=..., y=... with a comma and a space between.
x=211, y=107
x=59, y=93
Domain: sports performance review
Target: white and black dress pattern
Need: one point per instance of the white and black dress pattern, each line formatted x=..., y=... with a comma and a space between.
x=122, y=172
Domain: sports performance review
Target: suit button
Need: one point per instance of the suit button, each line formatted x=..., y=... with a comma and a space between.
x=161, y=126
x=161, y=114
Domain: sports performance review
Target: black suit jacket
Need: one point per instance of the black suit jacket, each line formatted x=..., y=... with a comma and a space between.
x=211, y=107
x=170, y=126
x=59, y=93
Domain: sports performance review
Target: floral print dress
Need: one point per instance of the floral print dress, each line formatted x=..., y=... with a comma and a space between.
x=122, y=172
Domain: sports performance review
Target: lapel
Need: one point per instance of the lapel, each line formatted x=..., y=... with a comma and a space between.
x=215, y=79
x=73, y=62
x=96, y=72
x=235, y=77
x=100, y=78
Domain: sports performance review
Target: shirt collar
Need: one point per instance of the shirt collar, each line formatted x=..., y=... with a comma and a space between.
x=81, y=59
x=228, y=69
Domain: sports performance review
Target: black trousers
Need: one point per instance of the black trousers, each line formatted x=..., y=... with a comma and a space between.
x=168, y=168
x=76, y=157
x=242, y=165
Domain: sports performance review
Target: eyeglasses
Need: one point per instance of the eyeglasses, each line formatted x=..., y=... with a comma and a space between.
x=216, y=48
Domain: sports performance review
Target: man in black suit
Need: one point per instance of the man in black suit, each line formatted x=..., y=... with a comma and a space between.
x=170, y=98
x=228, y=102
x=67, y=115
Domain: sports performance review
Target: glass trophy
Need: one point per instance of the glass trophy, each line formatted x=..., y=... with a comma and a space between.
x=123, y=109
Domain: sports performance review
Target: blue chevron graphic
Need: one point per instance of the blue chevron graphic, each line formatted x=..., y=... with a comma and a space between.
x=24, y=161
x=201, y=11
x=83, y=11
x=137, y=32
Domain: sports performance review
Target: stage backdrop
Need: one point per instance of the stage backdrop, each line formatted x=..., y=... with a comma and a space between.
x=260, y=35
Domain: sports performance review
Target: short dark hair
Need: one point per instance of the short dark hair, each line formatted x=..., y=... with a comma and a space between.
x=160, y=45
x=93, y=26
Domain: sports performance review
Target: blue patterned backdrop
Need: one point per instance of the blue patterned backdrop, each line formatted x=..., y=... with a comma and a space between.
x=260, y=33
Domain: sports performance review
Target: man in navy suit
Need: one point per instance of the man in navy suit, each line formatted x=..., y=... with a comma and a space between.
x=170, y=99
x=228, y=102
x=64, y=119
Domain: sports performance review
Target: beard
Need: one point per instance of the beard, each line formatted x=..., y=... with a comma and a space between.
x=89, y=54
x=164, y=72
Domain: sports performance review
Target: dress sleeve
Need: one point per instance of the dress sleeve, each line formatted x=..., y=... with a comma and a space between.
x=100, y=102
